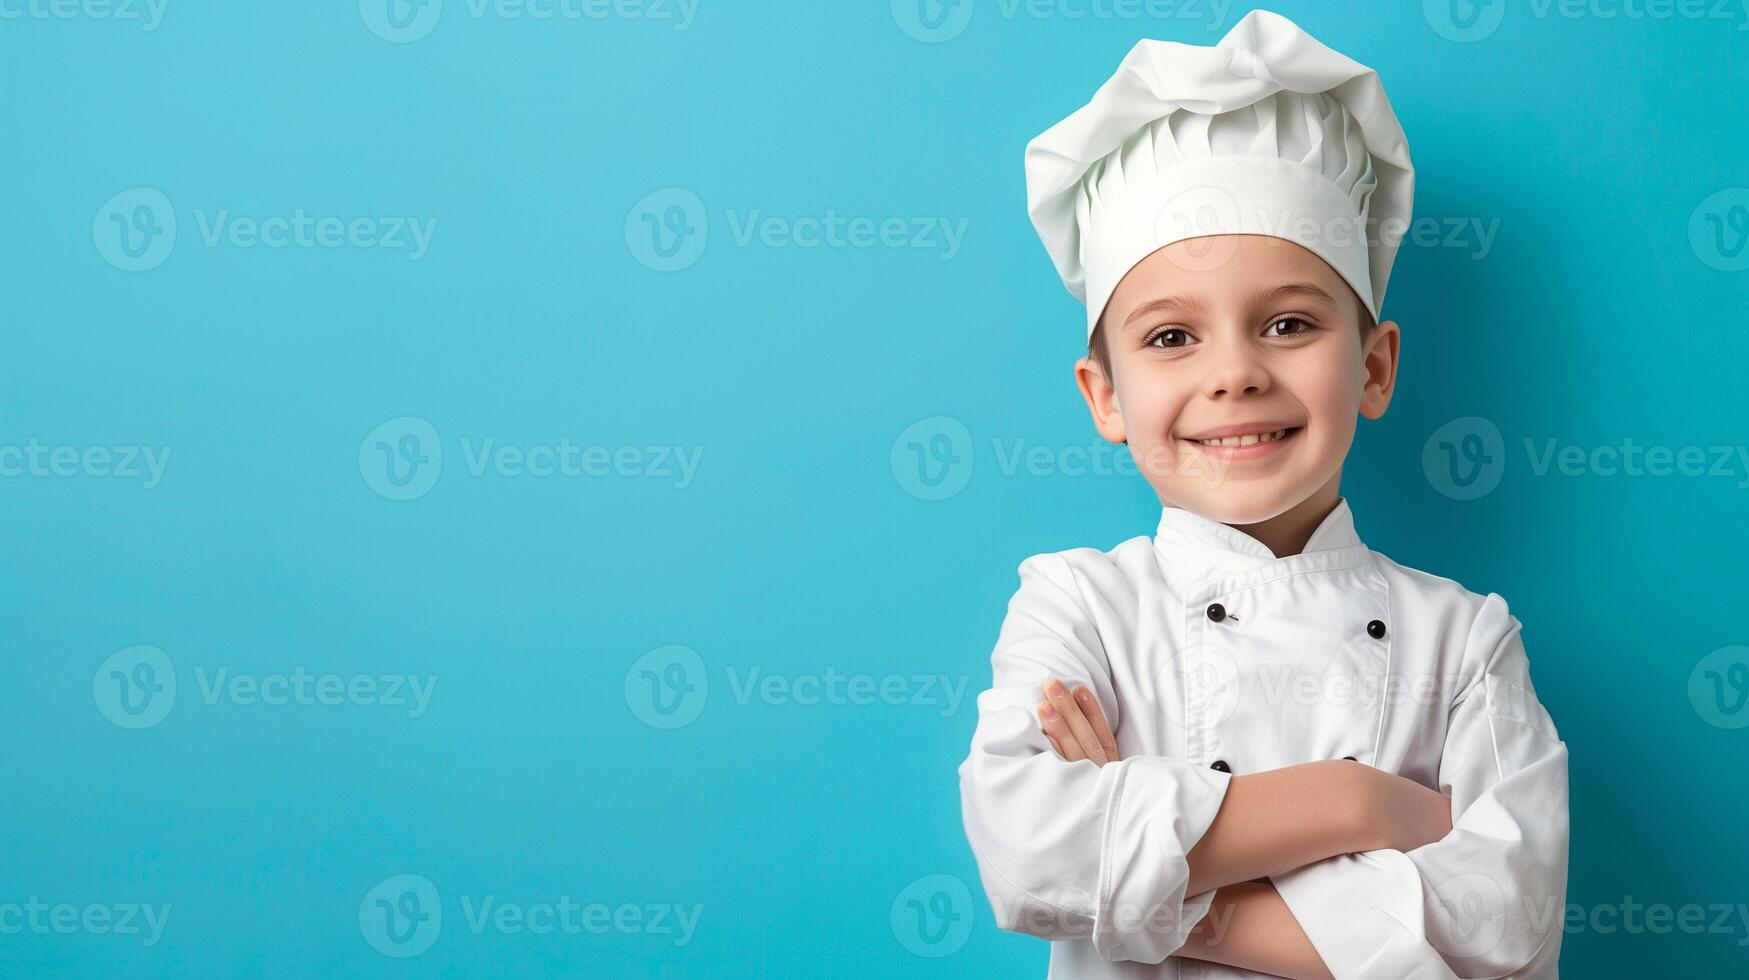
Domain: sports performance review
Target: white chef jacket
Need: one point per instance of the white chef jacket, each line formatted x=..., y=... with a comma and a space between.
x=1210, y=657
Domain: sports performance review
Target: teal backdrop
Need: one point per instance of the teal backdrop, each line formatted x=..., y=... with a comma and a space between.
x=530, y=488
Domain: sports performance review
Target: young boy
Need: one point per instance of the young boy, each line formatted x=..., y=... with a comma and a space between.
x=1260, y=748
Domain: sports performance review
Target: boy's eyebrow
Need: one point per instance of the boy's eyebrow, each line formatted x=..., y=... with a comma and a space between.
x=1304, y=289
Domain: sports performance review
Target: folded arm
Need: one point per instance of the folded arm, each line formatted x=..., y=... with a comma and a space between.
x=1248, y=925
x=1485, y=901
x=1128, y=854
x=1251, y=928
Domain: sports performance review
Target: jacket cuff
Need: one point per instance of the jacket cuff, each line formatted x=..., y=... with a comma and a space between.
x=1364, y=915
x=1159, y=809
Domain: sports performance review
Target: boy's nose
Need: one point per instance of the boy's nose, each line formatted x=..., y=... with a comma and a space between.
x=1235, y=372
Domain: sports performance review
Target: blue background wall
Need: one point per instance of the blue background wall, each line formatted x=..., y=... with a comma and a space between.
x=806, y=545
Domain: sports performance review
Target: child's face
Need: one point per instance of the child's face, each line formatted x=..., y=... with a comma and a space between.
x=1238, y=335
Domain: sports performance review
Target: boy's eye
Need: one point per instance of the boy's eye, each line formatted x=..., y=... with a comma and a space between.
x=1169, y=337
x=1288, y=326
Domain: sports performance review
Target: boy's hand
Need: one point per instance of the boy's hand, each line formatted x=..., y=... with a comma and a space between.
x=1401, y=813
x=1075, y=726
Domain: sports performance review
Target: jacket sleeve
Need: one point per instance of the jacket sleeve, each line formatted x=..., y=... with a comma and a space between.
x=1074, y=850
x=1487, y=900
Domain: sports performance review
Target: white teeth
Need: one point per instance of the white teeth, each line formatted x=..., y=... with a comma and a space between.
x=1246, y=440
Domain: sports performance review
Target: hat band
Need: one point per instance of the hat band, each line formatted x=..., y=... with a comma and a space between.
x=1226, y=195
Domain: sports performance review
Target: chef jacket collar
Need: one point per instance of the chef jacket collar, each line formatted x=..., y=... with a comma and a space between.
x=1193, y=543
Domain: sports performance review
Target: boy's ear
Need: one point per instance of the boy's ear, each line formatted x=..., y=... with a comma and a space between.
x=1379, y=361
x=1101, y=399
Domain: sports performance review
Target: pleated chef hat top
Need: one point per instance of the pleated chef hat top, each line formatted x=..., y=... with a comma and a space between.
x=1267, y=132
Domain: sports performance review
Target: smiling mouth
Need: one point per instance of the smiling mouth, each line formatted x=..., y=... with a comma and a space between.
x=1248, y=439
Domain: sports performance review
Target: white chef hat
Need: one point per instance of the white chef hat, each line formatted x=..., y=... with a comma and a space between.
x=1268, y=132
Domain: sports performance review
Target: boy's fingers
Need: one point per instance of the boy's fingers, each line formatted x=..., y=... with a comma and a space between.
x=1057, y=730
x=1065, y=705
x=1096, y=718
